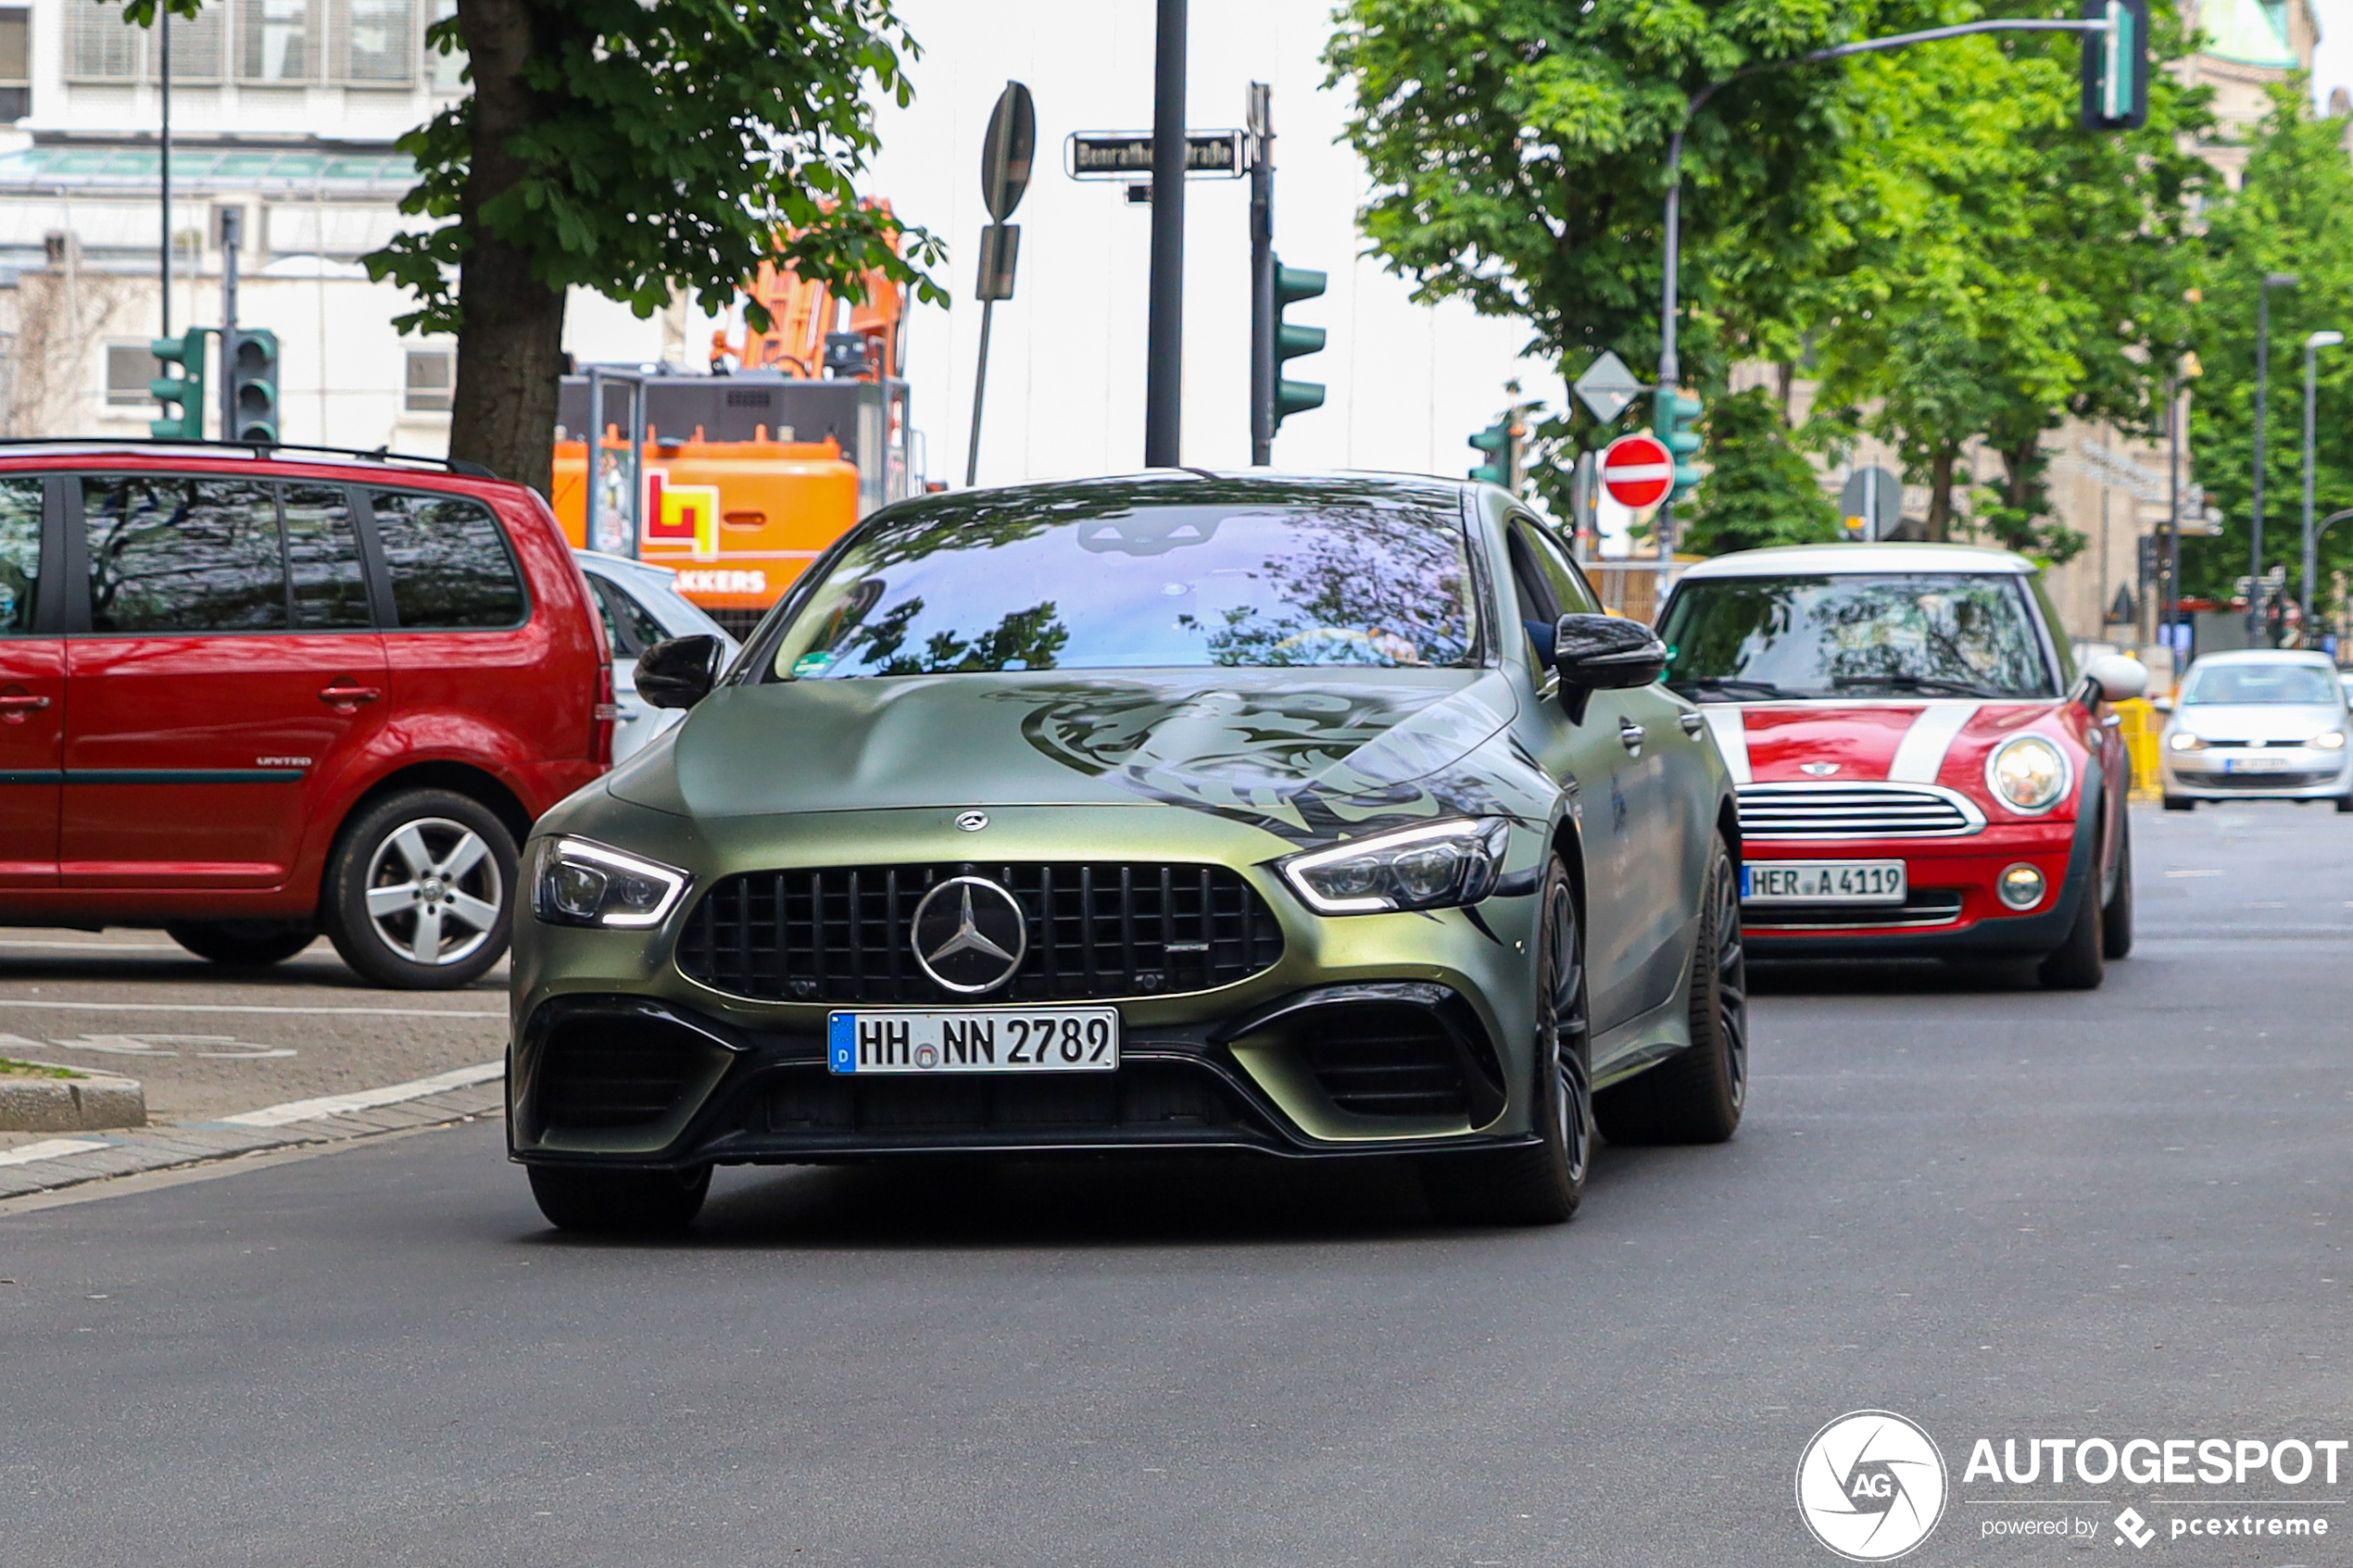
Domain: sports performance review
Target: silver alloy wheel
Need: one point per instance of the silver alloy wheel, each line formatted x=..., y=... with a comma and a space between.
x=434, y=891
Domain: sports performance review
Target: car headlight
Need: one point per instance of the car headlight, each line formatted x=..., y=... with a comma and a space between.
x=2182, y=740
x=1424, y=867
x=2334, y=740
x=574, y=881
x=2029, y=772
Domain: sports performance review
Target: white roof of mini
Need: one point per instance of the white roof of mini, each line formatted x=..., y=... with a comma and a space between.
x=1811, y=560
x=2266, y=656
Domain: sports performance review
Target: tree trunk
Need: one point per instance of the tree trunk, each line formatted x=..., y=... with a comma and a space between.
x=1939, y=496
x=1785, y=377
x=510, y=333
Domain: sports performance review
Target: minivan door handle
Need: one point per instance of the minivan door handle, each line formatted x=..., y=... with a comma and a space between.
x=348, y=695
x=17, y=702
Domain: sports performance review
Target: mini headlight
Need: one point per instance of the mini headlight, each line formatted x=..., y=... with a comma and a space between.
x=2022, y=886
x=2334, y=740
x=2029, y=772
x=2182, y=740
x=1424, y=867
x=574, y=881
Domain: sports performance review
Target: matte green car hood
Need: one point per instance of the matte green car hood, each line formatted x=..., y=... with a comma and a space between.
x=1302, y=752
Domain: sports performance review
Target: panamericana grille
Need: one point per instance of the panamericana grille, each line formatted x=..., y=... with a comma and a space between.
x=1096, y=930
x=1855, y=810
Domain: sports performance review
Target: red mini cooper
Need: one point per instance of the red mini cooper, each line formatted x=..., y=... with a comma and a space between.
x=1924, y=770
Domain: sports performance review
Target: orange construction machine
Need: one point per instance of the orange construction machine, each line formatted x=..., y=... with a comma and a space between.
x=742, y=476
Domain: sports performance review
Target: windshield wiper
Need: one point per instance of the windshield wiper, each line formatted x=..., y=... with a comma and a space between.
x=1727, y=683
x=1914, y=683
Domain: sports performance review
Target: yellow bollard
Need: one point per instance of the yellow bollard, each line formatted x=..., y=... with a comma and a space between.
x=2142, y=723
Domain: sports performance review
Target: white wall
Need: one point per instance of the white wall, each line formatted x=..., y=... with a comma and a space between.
x=1408, y=384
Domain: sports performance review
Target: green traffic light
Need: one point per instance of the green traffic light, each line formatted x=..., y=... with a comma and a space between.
x=183, y=392
x=254, y=381
x=1674, y=420
x=1294, y=338
x=1496, y=442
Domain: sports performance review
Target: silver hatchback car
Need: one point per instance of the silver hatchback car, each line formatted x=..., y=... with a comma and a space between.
x=2261, y=724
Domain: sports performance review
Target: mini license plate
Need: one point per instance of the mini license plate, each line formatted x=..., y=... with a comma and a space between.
x=2255, y=764
x=1822, y=881
x=973, y=1040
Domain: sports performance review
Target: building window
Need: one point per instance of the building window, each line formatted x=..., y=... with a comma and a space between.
x=129, y=366
x=433, y=372
x=16, y=62
x=444, y=73
x=376, y=43
x=101, y=46
x=277, y=42
x=196, y=44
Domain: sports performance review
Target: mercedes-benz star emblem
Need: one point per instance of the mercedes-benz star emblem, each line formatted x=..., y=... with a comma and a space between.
x=971, y=821
x=970, y=935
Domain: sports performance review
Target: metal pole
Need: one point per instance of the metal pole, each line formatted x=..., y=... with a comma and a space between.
x=1262, y=275
x=2312, y=346
x=2169, y=590
x=595, y=435
x=231, y=235
x=980, y=389
x=1670, y=370
x=637, y=467
x=2263, y=406
x=1165, y=347
x=163, y=46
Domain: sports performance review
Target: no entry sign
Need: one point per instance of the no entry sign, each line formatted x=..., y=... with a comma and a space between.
x=1637, y=470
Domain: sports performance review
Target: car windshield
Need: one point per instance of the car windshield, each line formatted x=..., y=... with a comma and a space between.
x=2256, y=682
x=1747, y=639
x=1097, y=578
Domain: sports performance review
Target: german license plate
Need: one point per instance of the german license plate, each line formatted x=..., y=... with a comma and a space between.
x=2255, y=764
x=1822, y=881
x=973, y=1040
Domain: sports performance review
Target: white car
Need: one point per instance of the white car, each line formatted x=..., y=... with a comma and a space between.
x=641, y=606
x=2260, y=723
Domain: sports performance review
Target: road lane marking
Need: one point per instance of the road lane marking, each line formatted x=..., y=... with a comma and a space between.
x=2194, y=873
x=365, y=1100
x=50, y=1148
x=254, y=1007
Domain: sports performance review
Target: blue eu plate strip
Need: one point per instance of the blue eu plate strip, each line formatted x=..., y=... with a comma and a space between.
x=842, y=1040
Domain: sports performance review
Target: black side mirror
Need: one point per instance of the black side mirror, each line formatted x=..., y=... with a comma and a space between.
x=1606, y=652
x=679, y=672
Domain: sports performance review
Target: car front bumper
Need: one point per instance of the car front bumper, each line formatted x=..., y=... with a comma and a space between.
x=2306, y=774
x=1952, y=908
x=620, y=1058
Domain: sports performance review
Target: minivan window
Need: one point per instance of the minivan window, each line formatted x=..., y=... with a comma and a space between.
x=19, y=553
x=448, y=563
x=183, y=555
x=322, y=555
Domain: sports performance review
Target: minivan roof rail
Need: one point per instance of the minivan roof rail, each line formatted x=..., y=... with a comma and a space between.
x=249, y=448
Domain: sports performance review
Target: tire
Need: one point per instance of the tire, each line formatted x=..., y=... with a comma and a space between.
x=2116, y=915
x=244, y=944
x=2344, y=805
x=459, y=861
x=620, y=1202
x=1695, y=1096
x=1538, y=1184
x=2186, y=803
x=2076, y=964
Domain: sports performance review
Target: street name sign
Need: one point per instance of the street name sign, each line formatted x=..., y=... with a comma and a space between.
x=1636, y=471
x=1608, y=387
x=1128, y=155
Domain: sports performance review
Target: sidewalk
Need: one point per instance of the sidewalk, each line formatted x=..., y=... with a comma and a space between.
x=459, y=1096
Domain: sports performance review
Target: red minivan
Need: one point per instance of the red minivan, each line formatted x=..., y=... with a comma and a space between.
x=251, y=695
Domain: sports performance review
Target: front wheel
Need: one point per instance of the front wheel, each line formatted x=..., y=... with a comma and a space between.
x=2116, y=915
x=2188, y=803
x=2077, y=962
x=1537, y=1184
x=1696, y=1095
x=420, y=891
x=242, y=944
x=620, y=1202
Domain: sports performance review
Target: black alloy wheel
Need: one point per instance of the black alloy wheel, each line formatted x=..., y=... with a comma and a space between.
x=242, y=944
x=1538, y=1184
x=620, y=1202
x=1696, y=1095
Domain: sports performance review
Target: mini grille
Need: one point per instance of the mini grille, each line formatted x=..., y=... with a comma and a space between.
x=1857, y=811
x=1928, y=907
x=840, y=935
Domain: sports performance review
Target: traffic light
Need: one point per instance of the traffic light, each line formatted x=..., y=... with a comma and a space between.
x=1291, y=340
x=185, y=390
x=253, y=387
x=2115, y=65
x=1496, y=442
x=1674, y=420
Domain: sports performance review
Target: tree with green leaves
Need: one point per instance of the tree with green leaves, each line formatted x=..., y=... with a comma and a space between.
x=1759, y=490
x=2293, y=212
x=634, y=147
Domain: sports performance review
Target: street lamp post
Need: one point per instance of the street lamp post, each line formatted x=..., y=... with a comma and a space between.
x=2312, y=346
x=2255, y=633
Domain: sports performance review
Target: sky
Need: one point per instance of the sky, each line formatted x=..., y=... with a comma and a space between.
x=2333, y=61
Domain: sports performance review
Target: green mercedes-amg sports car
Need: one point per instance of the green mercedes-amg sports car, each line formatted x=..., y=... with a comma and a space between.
x=1313, y=817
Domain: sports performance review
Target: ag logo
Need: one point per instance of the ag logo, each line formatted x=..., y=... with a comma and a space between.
x=1870, y=1485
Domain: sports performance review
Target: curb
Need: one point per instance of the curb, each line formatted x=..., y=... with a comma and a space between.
x=85, y=1102
x=461, y=1095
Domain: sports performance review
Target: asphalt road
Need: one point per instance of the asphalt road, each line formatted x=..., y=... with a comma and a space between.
x=1998, y=1212
x=209, y=1042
